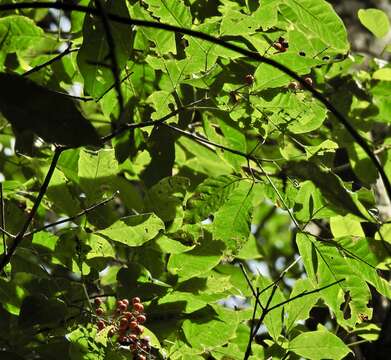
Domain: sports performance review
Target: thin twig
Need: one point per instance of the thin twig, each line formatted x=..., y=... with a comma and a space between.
x=19, y=237
x=67, y=51
x=74, y=217
x=2, y=218
x=112, y=86
x=160, y=121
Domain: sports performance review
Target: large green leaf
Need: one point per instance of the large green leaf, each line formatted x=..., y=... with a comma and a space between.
x=231, y=222
x=318, y=345
x=134, y=230
x=33, y=109
x=375, y=20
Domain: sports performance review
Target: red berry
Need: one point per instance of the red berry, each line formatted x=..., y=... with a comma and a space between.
x=100, y=324
x=133, y=324
x=136, y=300
x=125, y=301
x=128, y=315
x=132, y=338
x=278, y=46
x=138, y=330
x=123, y=324
x=99, y=311
x=141, y=319
x=138, y=307
x=119, y=303
x=142, y=357
x=122, y=338
x=308, y=80
x=97, y=302
x=111, y=332
x=122, y=307
x=249, y=79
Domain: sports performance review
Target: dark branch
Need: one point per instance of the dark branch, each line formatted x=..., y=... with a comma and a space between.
x=67, y=51
x=74, y=217
x=19, y=237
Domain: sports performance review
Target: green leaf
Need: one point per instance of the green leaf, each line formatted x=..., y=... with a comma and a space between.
x=318, y=344
x=317, y=19
x=231, y=222
x=164, y=40
x=273, y=320
x=383, y=74
x=94, y=52
x=17, y=34
x=209, y=196
x=134, y=230
x=39, y=310
x=165, y=198
x=331, y=186
x=375, y=20
x=198, y=261
x=45, y=239
x=210, y=328
x=33, y=109
x=267, y=76
x=300, y=309
x=172, y=12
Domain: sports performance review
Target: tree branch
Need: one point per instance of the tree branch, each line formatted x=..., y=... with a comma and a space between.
x=74, y=217
x=19, y=237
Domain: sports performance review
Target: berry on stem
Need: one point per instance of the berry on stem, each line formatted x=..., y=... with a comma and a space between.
x=123, y=324
x=100, y=324
x=125, y=301
x=138, y=307
x=136, y=300
x=99, y=311
x=133, y=324
x=141, y=319
x=138, y=330
x=97, y=302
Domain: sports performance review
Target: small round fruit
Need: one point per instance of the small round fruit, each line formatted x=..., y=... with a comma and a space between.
x=133, y=338
x=249, y=79
x=138, y=307
x=142, y=357
x=122, y=307
x=100, y=324
x=99, y=311
x=136, y=300
x=138, y=330
x=125, y=301
x=123, y=324
x=278, y=46
x=128, y=315
x=111, y=333
x=308, y=80
x=141, y=319
x=98, y=302
x=133, y=324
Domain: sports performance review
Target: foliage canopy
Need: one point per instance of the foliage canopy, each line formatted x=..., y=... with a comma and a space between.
x=248, y=210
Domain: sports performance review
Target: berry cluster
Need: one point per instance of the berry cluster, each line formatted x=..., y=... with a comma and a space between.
x=126, y=326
